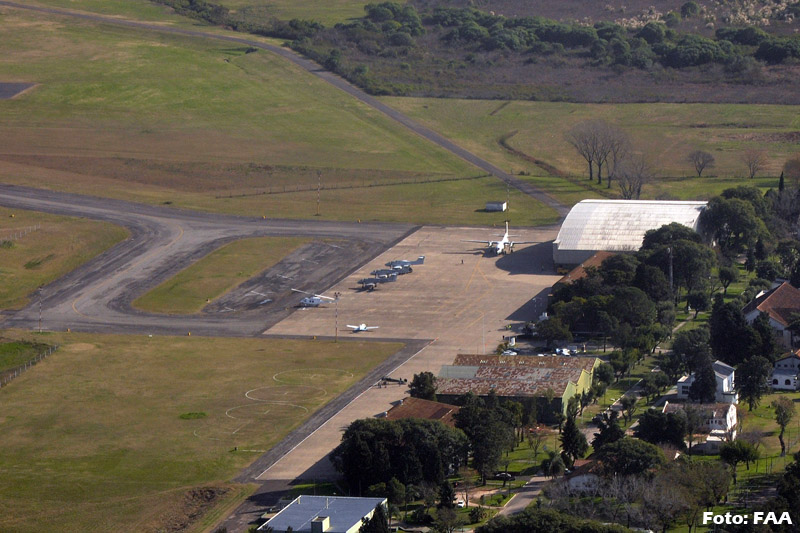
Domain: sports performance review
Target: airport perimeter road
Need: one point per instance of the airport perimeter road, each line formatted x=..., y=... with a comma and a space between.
x=96, y=297
x=332, y=79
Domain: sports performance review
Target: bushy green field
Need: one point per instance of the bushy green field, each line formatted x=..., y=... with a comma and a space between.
x=215, y=274
x=93, y=438
x=60, y=245
x=665, y=133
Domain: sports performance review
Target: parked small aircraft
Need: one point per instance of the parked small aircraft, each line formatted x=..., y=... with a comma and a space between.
x=405, y=262
x=370, y=283
x=312, y=300
x=386, y=272
x=504, y=244
x=361, y=327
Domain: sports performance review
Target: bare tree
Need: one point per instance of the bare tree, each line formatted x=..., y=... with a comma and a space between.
x=633, y=173
x=754, y=159
x=583, y=137
x=701, y=161
x=619, y=149
x=599, y=143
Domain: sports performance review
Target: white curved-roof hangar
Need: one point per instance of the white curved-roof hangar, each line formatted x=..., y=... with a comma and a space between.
x=617, y=226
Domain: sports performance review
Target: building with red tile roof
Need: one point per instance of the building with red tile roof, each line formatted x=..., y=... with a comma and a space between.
x=781, y=304
x=418, y=408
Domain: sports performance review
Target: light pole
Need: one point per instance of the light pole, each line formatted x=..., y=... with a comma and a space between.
x=40, y=309
x=336, y=316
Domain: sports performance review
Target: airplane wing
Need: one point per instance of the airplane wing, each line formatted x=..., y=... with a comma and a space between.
x=487, y=243
x=372, y=327
x=525, y=242
x=317, y=295
x=354, y=327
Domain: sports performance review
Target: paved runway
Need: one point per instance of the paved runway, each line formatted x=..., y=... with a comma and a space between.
x=96, y=297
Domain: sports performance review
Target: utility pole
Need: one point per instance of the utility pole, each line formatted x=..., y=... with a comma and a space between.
x=319, y=187
x=336, y=316
x=670, y=273
x=40, y=309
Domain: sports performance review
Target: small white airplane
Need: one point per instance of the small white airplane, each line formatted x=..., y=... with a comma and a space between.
x=398, y=263
x=312, y=300
x=504, y=244
x=361, y=327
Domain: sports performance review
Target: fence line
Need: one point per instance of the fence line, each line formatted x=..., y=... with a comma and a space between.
x=17, y=234
x=309, y=188
x=10, y=375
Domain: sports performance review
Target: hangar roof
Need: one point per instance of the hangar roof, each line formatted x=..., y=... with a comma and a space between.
x=620, y=225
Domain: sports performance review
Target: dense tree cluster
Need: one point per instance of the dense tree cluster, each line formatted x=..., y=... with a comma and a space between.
x=492, y=428
x=412, y=451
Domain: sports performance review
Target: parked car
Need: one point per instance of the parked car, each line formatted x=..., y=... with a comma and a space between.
x=509, y=352
x=503, y=476
x=460, y=504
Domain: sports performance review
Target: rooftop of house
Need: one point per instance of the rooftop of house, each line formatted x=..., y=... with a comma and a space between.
x=789, y=357
x=506, y=381
x=558, y=361
x=343, y=513
x=721, y=370
x=580, y=271
x=418, y=408
x=780, y=303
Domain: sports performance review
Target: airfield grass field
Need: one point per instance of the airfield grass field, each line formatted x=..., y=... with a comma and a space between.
x=116, y=432
x=665, y=133
x=328, y=13
x=59, y=246
x=167, y=119
x=215, y=274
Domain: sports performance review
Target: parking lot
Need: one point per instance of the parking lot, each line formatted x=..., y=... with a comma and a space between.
x=460, y=299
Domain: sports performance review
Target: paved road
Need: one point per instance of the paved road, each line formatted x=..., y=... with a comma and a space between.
x=96, y=297
x=332, y=79
x=525, y=496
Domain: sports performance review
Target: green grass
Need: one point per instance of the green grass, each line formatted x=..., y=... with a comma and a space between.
x=666, y=133
x=16, y=353
x=42, y=256
x=92, y=438
x=215, y=274
x=328, y=12
x=156, y=118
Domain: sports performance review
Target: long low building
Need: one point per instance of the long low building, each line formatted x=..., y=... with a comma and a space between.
x=517, y=377
x=617, y=226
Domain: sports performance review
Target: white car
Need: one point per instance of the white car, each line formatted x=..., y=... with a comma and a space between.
x=460, y=504
x=508, y=352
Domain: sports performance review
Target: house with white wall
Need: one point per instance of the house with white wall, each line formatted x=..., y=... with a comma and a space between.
x=720, y=422
x=725, y=374
x=786, y=372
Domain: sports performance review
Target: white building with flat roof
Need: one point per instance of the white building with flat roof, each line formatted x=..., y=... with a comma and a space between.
x=324, y=514
x=617, y=226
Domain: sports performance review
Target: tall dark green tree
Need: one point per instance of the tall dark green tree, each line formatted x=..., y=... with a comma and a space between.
x=657, y=427
x=704, y=386
x=609, y=430
x=423, y=386
x=378, y=523
x=573, y=441
x=751, y=380
x=732, y=340
x=447, y=495
x=629, y=457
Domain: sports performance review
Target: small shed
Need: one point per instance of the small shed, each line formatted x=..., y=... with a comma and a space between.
x=496, y=206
